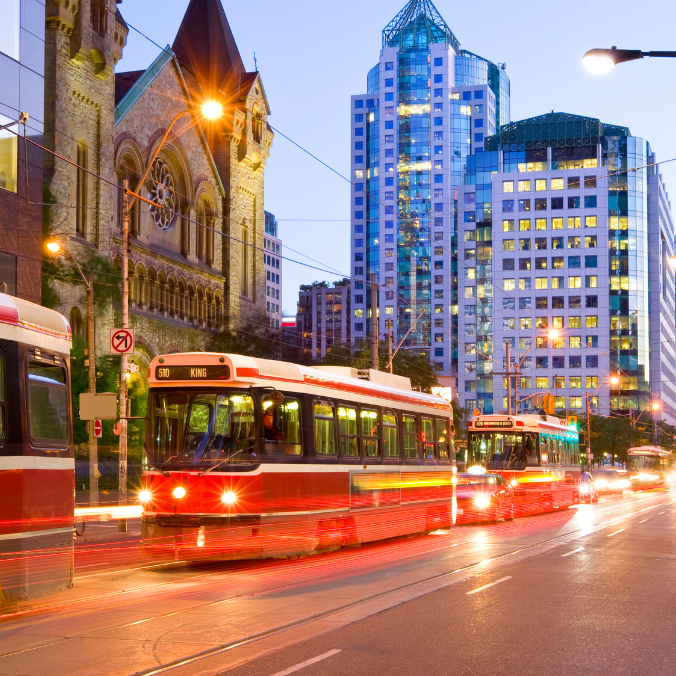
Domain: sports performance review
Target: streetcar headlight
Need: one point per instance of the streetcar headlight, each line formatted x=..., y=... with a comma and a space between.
x=601, y=483
x=482, y=501
x=513, y=483
x=647, y=477
x=585, y=488
x=178, y=492
x=144, y=496
x=229, y=498
x=671, y=479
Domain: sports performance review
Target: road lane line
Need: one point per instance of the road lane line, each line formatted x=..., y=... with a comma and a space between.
x=644, y=520
x=575, y=551
x=658, y=513
x=486, y=586
x=307, y=663
x=615, y=532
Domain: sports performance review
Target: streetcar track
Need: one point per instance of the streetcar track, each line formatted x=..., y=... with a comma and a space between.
x=298, y=623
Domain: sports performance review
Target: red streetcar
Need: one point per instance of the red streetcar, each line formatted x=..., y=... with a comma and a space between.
x=650, y=467
x=252, y=458
x=37, y=469
x=537, y=455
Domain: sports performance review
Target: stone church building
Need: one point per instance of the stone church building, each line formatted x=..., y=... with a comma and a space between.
x=196, y=264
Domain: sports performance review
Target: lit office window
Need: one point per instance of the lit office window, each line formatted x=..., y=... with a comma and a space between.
x=8, y=157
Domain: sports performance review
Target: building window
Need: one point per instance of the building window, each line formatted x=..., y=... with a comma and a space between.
x=358, y=104
x=557, y=202
x=9, y=146
x=540, y=204
x=508, y=186
x=479, y=94
x=389, y=96
x=389, y=82
x=478, y=123
x=438, y=77
x=478, y=138
x=589, y=182
x=359, y=242
x=574, y=202
x=540, y=184
x=438, y=61
x=524, y=186
x=592, y=322
x=589, y=200
x=81, y=190
x=359, y=117
x=389, y=65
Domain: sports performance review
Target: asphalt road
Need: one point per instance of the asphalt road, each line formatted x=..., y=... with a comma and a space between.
x=395, y=607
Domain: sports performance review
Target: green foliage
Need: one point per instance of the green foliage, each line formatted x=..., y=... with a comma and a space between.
x=410, y=364
x=314, y=285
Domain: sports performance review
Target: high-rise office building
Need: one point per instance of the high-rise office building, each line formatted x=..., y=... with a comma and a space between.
x=428, y=106
x=272, y=257
x=564, y=225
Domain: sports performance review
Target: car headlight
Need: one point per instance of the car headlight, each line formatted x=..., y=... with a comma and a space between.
x=229, y=498
x=179, y=492
x=144, y=496
x=585, y=488
x=601, y=483
x=482, y=501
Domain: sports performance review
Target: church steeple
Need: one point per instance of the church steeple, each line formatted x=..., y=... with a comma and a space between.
x=206, y=48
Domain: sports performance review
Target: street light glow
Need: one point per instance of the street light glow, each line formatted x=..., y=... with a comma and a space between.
x=212, y=110
x=656, y=406
x=554, y=333
x=614, y=380
x=53, y=247
x=596, y=63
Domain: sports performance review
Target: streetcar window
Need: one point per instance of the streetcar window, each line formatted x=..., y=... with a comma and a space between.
x=428, y=439
x=349, y=437
x=3, y=424
x=390, y=437
x=370, y=433
x=442, y=438
x=281, y=427
x=410, y=437
x=203, y=429
x=503, y=451
x=325, y=429
x=48, y=403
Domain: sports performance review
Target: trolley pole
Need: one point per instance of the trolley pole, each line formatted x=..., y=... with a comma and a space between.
x=509, y=381
x=374, y=322
x=91, y=361
x=390, y=337
x=122, y=523
x=589, y=455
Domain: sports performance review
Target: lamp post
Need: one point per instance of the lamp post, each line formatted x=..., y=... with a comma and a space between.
x=211, y=110
x=55, y=247
x=602, y=60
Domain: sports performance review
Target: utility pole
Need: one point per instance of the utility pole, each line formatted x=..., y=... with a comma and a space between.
x=374, y=322
x=509, y=380
x=91, y=363
x=589, y=456
x=122, y=524
x=388, y=323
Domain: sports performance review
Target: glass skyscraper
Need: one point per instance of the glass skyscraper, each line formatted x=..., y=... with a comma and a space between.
x=429, y=104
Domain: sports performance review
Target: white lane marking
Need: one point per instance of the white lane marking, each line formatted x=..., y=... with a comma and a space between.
x=658, y=513
x=575, y=551
x=486, y=586
x=615, y=532
x=644, y=520
x=307, y=663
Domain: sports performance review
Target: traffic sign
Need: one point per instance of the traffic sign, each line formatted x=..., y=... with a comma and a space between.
x=121, y=341
x=98, y=429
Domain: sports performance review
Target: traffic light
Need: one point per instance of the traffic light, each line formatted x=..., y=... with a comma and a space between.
x=549, y=403
x=572, y=421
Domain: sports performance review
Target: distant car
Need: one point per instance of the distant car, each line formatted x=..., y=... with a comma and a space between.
x=483, y=497
x=588, y=491
x=610, y=481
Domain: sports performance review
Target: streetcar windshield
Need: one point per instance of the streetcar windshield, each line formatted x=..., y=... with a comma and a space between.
x=648, y=463
x=200, y=429
x=503, y=450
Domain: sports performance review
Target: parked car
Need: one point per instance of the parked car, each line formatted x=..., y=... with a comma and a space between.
x=609, y=481
x=588, y=491
x=483, y=497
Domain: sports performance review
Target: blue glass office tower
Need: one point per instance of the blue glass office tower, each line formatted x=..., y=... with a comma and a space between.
x=429, y=104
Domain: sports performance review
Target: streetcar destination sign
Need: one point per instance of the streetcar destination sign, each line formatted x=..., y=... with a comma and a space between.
x=215, y=372
x=493, y=423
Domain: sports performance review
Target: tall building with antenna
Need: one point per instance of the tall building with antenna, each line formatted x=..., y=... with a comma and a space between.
x=428, y=106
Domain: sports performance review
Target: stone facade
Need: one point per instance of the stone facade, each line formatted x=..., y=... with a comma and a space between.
x=198, y=263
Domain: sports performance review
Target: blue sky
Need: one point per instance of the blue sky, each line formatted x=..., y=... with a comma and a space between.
x=314, y=55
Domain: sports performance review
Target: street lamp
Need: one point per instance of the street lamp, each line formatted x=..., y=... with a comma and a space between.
x=601, y=61
x=210, y=110
x=55, y=247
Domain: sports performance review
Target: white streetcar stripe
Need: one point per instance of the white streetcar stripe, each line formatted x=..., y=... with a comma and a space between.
x=575, y=551
x=615, y=532
x=486, y=586
x=307, y=663
x=644, y=520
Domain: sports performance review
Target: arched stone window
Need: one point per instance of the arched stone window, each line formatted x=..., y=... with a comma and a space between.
x=257, y=125
x=129, y=170
x=162, y=293
x=182, y=300
x=151, y=295
x=81, y=190
x=172, y=300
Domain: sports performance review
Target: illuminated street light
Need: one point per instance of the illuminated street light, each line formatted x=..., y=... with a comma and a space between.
x=601, y=61
x=655, y=406
x=212, y=110
x=614, y=380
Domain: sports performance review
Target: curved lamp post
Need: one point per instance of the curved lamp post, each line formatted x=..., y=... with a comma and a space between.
x=602, y=60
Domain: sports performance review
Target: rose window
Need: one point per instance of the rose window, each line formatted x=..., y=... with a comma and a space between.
x=162, y=192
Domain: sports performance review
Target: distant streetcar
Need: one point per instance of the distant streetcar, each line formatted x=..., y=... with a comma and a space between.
x=37, y=470
x=537, y=455
x=252, y=458
x=650, y=467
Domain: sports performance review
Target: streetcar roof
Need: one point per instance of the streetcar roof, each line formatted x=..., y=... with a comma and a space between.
x=650, y=450
x=26, y=315
x=244, y=370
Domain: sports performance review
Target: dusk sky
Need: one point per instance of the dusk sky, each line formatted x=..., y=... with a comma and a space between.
x=314, y=55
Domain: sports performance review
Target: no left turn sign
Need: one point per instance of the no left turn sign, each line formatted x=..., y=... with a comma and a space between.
x=121, y=341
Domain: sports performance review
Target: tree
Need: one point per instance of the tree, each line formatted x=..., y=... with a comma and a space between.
x=410, y=364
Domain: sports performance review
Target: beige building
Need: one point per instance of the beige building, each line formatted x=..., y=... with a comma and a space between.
x=196, y=264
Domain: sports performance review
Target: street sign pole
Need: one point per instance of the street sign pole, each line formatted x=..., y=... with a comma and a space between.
x=122, y=524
